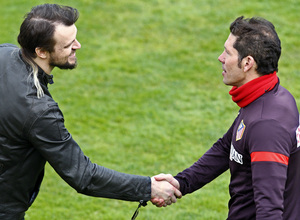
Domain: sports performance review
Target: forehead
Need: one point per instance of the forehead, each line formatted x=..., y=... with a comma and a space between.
x=64, y=34
x=230, y=41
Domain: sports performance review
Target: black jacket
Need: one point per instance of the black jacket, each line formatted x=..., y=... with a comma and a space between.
x=32, y=132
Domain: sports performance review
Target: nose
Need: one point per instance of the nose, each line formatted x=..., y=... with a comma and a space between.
x=76, y=45
x=221, y=58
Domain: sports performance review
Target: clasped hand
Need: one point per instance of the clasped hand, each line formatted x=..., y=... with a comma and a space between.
x=164, y=190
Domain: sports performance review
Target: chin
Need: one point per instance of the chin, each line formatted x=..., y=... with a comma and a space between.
x=226, y=83
x=67, y=66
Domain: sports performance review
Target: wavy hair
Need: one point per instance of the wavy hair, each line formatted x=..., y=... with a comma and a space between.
x=37, y=30
x=257, y=37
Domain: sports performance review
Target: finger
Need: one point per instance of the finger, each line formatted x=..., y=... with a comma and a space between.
x=155, y=200
x=177, y=193
x=169, y=202
x=161, y=204
x=173, y=199
x=158, y=202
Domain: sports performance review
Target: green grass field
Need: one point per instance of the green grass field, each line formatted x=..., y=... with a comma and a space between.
x=147, y=96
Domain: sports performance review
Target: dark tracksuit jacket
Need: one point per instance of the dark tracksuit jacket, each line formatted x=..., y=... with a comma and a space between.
x=260, y=150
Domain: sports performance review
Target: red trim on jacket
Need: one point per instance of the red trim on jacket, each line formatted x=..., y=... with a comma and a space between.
x=269, y=156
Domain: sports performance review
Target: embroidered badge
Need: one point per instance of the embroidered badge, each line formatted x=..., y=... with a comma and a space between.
x=298, y=136
x=240, y=131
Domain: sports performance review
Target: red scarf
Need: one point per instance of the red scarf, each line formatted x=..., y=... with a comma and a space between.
x=252, y=90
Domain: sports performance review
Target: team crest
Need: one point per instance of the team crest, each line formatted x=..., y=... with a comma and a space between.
x=298, y=136
x=240, y=131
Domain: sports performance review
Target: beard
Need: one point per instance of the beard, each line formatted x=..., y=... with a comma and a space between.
x=62, y=64
x=66, y=65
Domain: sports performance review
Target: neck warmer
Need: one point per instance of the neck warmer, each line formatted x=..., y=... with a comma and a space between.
x=252, y=90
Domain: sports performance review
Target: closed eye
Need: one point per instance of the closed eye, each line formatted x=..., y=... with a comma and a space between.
x=70, y=44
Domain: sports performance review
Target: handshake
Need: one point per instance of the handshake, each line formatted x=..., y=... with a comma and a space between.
x=164, y=190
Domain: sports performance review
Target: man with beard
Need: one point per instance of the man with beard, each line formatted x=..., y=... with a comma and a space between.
x=32, y=130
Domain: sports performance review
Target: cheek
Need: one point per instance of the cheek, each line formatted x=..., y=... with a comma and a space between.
x=231, y=64
x=64, y=52
x=227, y=66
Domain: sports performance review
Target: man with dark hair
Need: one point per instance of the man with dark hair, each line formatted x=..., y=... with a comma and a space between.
x=261, y=148
x=32, y=130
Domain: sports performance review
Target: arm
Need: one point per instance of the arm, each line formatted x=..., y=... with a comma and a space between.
x=269, y=147
x=51, y=139
x=213, y=163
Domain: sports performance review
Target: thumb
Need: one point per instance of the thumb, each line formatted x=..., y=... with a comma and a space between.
x=162, y=176
x=169, y=178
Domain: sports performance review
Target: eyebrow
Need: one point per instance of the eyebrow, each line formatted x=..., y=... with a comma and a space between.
x=226, y=49
x=70, y=43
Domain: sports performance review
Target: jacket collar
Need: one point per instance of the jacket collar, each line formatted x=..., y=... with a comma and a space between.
x=44, y=77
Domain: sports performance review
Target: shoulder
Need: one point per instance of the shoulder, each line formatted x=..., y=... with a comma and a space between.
x=278, y=104
x=8, y=51
x=275, y=109
x=39, y=109
x=40, y=105
x=283, y=92
x=8, y=46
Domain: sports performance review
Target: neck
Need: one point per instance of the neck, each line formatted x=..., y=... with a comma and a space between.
x=251, y=76
x=252, y=90
x=43, y=64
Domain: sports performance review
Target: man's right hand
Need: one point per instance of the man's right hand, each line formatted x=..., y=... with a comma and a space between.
x=164, y=190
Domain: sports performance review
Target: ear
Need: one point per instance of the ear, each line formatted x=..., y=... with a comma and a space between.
x=248, y=63
x=41, y=53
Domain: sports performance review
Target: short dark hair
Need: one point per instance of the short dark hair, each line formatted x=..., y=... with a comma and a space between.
x=37, y=29
x=257, y=37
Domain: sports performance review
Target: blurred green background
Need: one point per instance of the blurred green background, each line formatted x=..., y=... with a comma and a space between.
x=147, y=96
